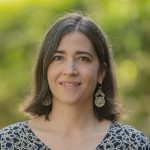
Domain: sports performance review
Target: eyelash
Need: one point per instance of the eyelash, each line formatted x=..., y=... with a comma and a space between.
x=81, y=58
x=84, y=58
x=57, y=58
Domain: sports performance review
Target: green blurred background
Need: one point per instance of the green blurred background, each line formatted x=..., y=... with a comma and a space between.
x=127, y=24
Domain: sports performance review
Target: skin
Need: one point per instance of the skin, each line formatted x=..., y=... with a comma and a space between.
x=74, y=71
x=72, y=76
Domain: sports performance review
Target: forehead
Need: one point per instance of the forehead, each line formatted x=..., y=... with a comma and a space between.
x=75, y=41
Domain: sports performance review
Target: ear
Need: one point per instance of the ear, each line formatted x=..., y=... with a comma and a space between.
x=101, y=76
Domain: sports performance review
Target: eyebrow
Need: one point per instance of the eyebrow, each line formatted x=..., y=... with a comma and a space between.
x=79, y=52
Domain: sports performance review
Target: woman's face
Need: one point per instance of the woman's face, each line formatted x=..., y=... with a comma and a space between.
x=74, y=70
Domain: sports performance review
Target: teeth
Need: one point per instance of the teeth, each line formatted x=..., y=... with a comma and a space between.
x=70, y=84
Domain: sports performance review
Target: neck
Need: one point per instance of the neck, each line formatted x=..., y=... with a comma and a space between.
x=72, y=117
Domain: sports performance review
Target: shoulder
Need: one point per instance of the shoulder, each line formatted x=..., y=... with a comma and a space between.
x=12, y=134
x=13, y=128
x=129, y=136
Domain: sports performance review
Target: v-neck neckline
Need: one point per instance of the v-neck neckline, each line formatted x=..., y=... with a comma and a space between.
x=48, y=148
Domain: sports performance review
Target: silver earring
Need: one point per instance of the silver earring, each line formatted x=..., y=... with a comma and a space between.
x=47, y=101
x=99, y=100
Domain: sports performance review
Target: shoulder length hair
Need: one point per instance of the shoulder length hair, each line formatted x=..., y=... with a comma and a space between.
x=40, y=91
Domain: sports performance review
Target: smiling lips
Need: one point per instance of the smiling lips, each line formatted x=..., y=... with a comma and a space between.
x=71, y=84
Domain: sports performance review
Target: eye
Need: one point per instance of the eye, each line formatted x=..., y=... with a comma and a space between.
x=84, y=59
x=57, y=58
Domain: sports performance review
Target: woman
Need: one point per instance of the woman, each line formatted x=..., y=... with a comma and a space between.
x=74, y=96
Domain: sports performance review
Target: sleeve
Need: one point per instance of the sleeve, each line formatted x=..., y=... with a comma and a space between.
x=6, y=139
x=142, y=142
x=137, y=140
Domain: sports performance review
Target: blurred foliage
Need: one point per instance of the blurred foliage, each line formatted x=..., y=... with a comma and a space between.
x=126, y=22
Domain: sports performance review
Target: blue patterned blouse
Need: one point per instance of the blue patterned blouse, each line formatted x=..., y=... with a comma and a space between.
x=19, y=136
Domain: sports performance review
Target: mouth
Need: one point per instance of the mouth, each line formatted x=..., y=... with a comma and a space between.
x=70, y=84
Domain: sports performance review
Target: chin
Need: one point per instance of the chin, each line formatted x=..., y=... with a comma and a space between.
x=69, y=100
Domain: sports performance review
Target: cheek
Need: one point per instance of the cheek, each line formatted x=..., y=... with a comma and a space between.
x=51, y=73
x=91, y=75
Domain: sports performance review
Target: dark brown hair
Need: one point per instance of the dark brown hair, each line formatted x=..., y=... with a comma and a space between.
x=69, y=23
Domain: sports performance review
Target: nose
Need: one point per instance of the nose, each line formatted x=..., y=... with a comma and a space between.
x=70, y=68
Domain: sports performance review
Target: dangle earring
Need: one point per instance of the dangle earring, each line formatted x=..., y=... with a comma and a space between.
x=47, y=101
x=99, y=100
